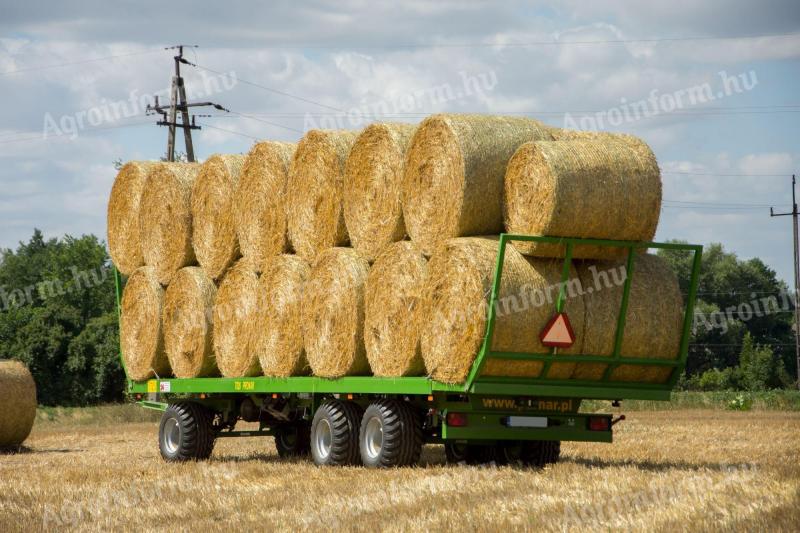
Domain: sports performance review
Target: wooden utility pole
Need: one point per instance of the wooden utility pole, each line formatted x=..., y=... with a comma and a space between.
x=177, y=103
x=794, y=214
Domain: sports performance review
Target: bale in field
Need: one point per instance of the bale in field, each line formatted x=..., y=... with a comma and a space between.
x=213, y=232
x=188, y=326
x=165, y=219
x=453, y=176
x=392, y=303
x=314, y=192
x=603, y=187
x=278, y=335
x=260, y=202
x=141, y=335
x=654, y=321
x=17, y=403
x=373, y=181
x=234, y=313
x=456, y=295
x=124, y=243
x=333, y=314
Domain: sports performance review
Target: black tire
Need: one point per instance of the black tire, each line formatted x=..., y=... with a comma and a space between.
x=541, y=453
x=186, y=432
x=471, y=454
x=334, y=433
x=293, y=440
x=390, y=435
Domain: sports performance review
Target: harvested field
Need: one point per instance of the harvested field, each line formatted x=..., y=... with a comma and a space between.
x=667, y=470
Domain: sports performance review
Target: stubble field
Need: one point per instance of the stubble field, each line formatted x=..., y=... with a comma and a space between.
x=667, y=470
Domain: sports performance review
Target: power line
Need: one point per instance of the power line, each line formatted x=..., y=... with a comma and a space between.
x=682, y=173
x=243, y=115
x=270, y=89
x=41, y=137
x=530, y=43
x=229, y=131
x=80, y=62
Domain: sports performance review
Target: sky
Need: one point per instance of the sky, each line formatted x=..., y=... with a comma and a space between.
x=712, y=86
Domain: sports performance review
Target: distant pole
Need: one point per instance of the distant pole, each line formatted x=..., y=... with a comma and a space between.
x=794, y=215
x=177, y=103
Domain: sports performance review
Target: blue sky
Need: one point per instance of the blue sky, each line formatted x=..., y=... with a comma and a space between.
x=724, y=159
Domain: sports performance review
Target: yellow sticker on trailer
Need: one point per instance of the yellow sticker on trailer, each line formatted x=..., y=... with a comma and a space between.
x=152, y=386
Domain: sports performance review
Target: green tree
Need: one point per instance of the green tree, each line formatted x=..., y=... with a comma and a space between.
x=735, y=297
x=57, y=303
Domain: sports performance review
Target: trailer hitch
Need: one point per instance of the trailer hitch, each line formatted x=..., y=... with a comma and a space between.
x=620, y=418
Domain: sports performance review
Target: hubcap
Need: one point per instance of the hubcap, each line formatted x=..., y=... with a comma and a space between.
x=323, y=438
x=172, y=436
x=373, y=437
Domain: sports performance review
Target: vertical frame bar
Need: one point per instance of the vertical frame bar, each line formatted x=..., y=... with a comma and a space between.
x=118, y=289
x=562, y=296
x=688, y=319
x=477, y=366
x=623, y=313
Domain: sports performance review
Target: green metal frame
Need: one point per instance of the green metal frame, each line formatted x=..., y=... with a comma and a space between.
x=477, y=384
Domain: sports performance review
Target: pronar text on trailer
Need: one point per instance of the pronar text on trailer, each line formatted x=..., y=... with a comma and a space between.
x=379, y=421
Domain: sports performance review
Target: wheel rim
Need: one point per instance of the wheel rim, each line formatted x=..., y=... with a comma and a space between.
x=323, y=438
x=373, y=437
x=172, y=436
x=289, y=438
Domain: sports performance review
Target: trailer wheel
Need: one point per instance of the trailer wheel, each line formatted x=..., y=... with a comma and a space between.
x=391, y=435
x=186, y=432
x=334, y=433
x=541, y=453
x=471, y=454
x=293, y=440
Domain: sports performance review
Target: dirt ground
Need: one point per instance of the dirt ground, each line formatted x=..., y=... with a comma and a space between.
x=671, y=470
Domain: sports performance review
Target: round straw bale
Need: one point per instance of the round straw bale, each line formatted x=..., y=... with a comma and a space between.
x=17, y=403
x=141, y=335
x=654, y=321
x=314, y=192
x=278, y=333
x=165, y=219
x=213, y=232
x=260, y=202
x=234, y=313
x=453, y=176
x=605, y=187
x=373, y=180
x=392, y=305
x=124, y=243
x=455, y=302
x=188, y=326
x=333, y=314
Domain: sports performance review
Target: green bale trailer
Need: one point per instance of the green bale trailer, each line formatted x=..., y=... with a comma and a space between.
x=384, y=422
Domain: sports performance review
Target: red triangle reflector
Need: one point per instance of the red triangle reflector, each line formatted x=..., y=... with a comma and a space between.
x=558, y=332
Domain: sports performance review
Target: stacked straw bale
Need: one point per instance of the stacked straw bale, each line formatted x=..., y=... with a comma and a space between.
x=260, y=202
x=456, y=295
x=17, y=403
x=188, y=326
x=654, y=319
x=603, y=187
x=141, y=335
x=372, y=183
x=393, y=301
x=453, y=176
x=314, y=192
x=234, y=314
x=165, y=219
x=278, y=333
x=333, y=314
x=124, y=243
x=213, y=232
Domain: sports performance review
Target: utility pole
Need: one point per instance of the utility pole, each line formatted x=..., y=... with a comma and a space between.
x=796, y=273
x=169, y=114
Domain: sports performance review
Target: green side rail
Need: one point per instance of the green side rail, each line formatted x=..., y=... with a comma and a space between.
x=602, y=389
